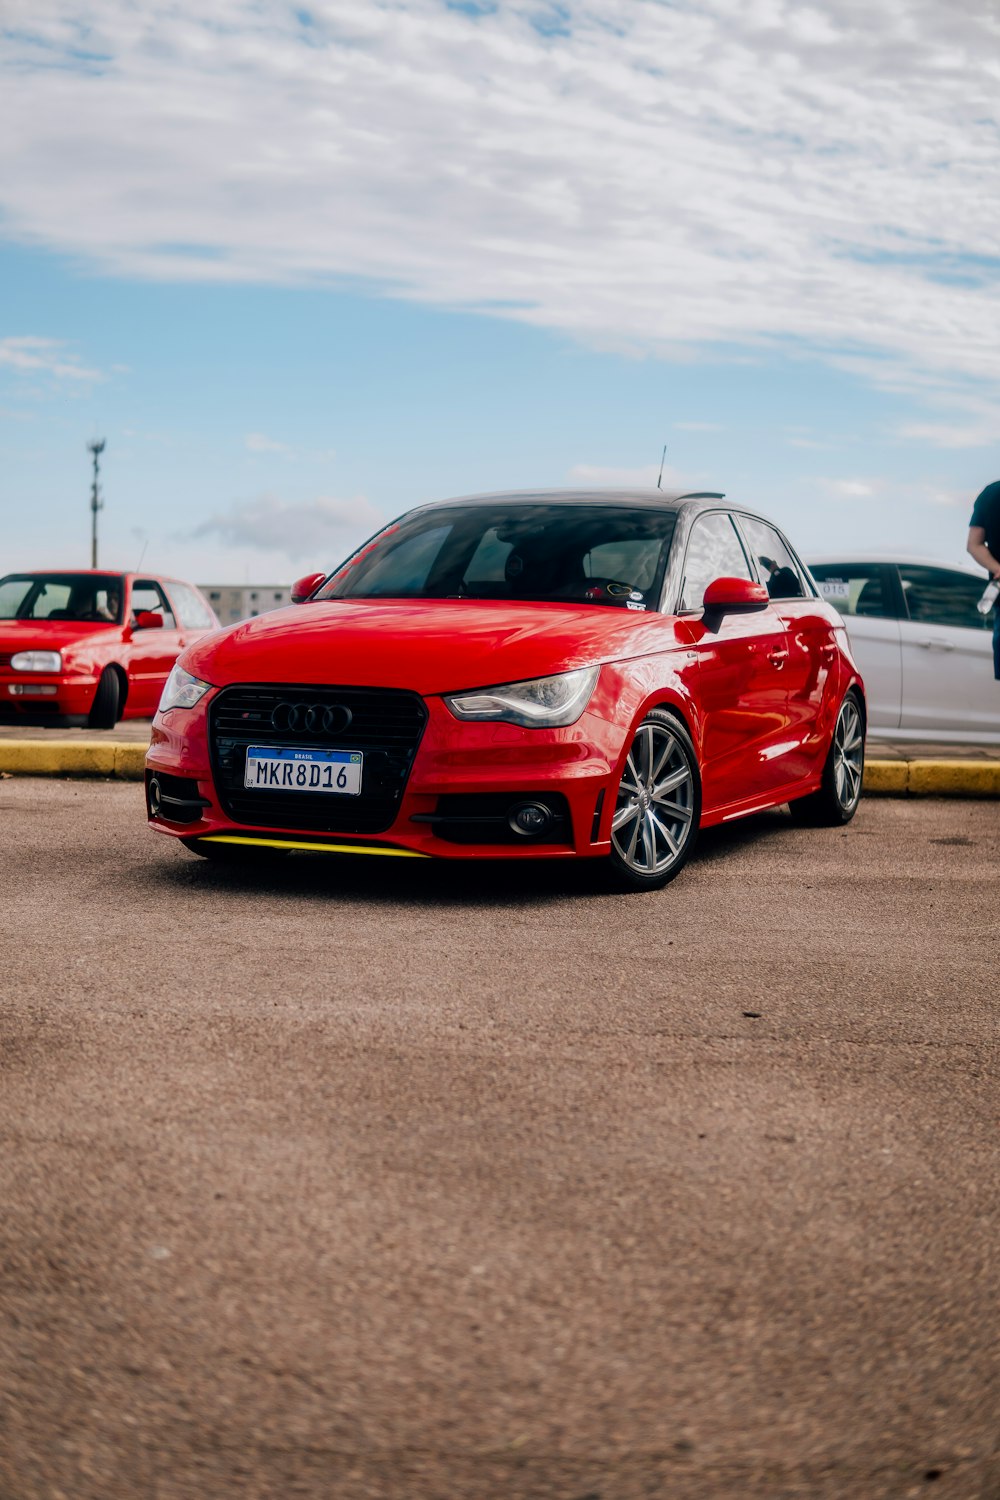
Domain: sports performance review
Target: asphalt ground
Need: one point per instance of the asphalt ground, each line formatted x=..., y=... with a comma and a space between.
x=455, y=1182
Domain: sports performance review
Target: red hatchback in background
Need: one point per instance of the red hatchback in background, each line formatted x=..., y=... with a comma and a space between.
x=521, y=676
x=92, y=647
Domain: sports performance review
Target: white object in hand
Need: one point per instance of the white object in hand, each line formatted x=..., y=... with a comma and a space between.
x=989, y=598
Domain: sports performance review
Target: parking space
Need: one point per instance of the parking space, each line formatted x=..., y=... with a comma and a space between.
x=325, y=1179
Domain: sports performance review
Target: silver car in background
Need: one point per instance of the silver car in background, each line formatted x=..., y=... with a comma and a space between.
x=924, y=650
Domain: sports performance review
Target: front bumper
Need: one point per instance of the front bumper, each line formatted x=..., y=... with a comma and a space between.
x=453, y=803
x=34, y=694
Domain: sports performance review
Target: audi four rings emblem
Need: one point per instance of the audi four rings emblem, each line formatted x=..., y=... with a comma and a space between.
x=310, y=718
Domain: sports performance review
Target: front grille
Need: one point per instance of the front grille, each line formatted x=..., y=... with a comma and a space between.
x=384, y=724
x=6, y=657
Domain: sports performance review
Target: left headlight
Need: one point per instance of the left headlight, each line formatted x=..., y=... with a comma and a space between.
x=539, y=703
x=181, y=690
x=36, y=661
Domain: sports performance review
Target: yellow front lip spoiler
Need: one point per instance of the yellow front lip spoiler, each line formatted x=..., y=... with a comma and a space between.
x=232, y=838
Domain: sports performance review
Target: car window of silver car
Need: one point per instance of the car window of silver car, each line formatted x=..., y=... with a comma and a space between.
x=855, y=588
x=943, y=596
x=713, y=551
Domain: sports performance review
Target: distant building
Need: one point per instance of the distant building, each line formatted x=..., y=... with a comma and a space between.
x=233, y=602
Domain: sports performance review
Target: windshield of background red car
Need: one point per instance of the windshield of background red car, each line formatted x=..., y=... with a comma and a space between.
x=61, y=596
x=583, y=554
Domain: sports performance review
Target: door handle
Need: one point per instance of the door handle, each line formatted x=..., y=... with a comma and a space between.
x=777, y=658
x=931, y=645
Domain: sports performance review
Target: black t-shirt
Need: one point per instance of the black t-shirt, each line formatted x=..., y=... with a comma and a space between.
x=986, y=513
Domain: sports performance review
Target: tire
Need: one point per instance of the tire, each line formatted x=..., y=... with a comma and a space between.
x=106, y=707
x=837, y=800
x=654, y=826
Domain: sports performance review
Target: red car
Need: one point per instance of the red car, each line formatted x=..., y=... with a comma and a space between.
x=521, y=676
x=92, y=647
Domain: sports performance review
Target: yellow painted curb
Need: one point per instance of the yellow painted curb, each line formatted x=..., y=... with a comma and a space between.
x=124, y=760
x=933, y=778
x=889, y=776
x=72, y=758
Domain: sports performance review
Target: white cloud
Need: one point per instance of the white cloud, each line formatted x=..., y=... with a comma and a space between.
x=850, y=489
x=29, y=355
x=646, y=175
x=256, y=442
x=322, y=530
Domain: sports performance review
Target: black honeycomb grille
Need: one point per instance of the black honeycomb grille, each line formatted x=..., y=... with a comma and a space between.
x=385, y=725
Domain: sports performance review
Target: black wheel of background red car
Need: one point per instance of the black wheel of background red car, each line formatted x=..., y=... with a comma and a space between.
x=836, y=802
x=658, y=807
x=107, y=701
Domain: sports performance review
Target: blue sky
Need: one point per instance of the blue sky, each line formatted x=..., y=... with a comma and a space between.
x=303, y=268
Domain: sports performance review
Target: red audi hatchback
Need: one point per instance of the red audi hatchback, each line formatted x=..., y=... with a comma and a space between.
x=92, y=647
x=525, y=676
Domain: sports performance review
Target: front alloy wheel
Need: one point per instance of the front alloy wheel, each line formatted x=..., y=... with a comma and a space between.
x=658, y=807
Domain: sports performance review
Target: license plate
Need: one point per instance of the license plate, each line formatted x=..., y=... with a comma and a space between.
x=275, y=768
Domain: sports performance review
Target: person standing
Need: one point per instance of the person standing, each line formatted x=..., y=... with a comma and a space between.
x=984, y=546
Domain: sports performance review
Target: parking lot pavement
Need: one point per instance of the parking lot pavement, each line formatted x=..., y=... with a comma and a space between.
x=460, y=1183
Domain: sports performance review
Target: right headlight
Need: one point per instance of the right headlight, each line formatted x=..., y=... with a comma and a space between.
x=538, y=703
x=181, y=690
x=36, y=661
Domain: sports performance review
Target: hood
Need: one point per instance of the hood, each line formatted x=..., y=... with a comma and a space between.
x=52, y=635
x=428, y=645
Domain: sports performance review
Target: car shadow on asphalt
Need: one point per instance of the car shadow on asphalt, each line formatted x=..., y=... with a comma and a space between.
x=442, y=883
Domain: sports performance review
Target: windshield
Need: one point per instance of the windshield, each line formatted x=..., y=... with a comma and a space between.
x=61, y=596
x=585, y=554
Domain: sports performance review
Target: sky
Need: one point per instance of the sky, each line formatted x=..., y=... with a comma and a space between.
x=303, y=266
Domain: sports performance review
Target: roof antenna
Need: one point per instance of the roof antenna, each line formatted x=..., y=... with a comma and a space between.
x=662, y=461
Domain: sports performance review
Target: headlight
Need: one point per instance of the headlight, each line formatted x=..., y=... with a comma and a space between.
x=181, y=690
x=36, y=661
x=541, y=703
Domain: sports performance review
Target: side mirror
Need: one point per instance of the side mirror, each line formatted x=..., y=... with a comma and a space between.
x=302, y=588
x=148, y=619
x=734, y=593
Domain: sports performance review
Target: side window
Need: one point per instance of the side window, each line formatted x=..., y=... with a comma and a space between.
x=148, y=595
x=942, y=596
x=191, y=611
x=713, y=551
x=854, y=588
x=778, y=571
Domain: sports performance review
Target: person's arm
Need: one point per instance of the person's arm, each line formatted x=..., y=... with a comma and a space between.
x=977, y=548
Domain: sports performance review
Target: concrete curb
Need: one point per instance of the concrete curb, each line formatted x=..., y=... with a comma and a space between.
x=119, y=759
x=124, y=761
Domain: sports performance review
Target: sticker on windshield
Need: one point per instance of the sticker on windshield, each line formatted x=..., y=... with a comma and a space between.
x=834, y=588
x=631, y=604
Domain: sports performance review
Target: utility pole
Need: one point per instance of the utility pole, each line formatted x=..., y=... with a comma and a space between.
x=96, y=503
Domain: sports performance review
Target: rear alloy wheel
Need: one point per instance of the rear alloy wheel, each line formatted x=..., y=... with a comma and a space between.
x=837, y=800
x=105, y=709
x=658, y=808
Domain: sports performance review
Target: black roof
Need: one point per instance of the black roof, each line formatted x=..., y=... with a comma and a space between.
x=655, y=499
